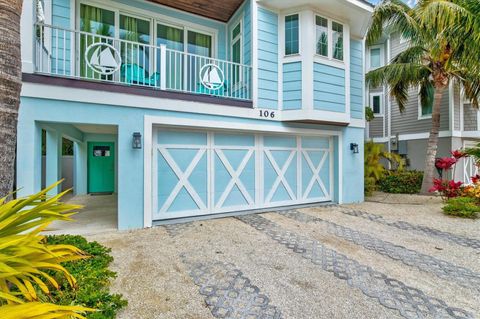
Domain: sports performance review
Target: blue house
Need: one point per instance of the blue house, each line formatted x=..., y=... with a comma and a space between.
x=188, y=109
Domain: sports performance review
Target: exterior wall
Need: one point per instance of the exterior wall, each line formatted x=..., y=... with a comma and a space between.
x=353, y=173
x=328, y=88
x=417, y=151
x=35, y=112
x=408, y=122
x=292, y=86
x=470, y=121
x=356, y=79
x=267, y=59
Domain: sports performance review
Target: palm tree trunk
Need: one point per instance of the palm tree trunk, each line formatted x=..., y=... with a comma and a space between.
x=10, y=86
x=432, y=147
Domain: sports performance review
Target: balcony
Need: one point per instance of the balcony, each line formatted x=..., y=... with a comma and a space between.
x=82, y=55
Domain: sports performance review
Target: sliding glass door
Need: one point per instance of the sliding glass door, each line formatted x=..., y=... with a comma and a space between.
x=183, y=70
x=135, y=51
x=173, y=39
x=100, y=24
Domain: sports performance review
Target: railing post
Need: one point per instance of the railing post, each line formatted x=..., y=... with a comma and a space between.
x=163, y=67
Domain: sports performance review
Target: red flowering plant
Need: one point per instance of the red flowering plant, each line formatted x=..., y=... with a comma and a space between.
x=447, y=189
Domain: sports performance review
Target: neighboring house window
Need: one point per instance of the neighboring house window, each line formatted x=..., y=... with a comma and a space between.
x=292, y=34
x=425, y=109
x=322, y=36
x=376, y=57
x=376, y=103
x=337, y=29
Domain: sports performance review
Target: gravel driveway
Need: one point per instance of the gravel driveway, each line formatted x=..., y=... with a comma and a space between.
x=392, y=257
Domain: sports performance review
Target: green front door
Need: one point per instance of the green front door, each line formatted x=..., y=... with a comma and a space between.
x=101, y=167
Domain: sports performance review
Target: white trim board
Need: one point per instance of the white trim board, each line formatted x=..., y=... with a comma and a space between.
x=52, y=92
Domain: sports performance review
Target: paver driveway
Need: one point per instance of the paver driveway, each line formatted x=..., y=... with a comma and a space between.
x=374, y=260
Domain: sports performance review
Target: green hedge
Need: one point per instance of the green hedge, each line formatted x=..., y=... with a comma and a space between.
x=93, y=279
x=403, y=182
x=464, y=207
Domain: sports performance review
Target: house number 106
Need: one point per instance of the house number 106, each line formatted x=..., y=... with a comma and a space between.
x=267, y=114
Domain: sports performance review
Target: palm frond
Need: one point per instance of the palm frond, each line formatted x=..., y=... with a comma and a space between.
x=393, y=15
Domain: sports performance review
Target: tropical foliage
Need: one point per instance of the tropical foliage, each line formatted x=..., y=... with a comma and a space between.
x=401, y=182
x=374, y=169
x=464, y=207
x=443, y=47
x=27, y=262
x=93, y=279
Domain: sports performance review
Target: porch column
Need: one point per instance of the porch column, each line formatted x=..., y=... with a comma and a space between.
x=53, y=162
x=29, y=157
x=80, y=168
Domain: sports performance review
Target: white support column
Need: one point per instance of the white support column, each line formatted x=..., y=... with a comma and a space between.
x=307, y=52
x=27, y=36
x=29, y=158
x=53, y=167
x=80, y=168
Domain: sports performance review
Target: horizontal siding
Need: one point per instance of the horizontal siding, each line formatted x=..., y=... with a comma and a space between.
x=292, y=86
x=329, y=88
x=61, y=13
x=61, y=40
x=356, y=79
x=375, y=127
x=408, y=122
x=267, y=59
x=470, y=118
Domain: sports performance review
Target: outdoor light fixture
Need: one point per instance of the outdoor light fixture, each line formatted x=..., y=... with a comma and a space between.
x=137, y=141
x=354, y=148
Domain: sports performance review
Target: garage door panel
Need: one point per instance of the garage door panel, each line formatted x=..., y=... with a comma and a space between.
x=198, y=173
x=234, y=172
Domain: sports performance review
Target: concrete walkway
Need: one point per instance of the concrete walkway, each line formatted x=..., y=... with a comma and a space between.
x=99, y=215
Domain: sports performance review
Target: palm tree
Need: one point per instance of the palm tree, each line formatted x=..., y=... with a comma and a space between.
x=444, y=47
x=10, y=86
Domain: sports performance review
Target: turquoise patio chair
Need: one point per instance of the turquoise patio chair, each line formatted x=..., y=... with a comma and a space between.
x=135, y=74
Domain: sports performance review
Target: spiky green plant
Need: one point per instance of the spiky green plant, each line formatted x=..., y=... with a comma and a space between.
x=25, y=257
x=444, y=46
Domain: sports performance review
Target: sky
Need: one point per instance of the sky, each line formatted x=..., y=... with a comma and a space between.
x=410, y=2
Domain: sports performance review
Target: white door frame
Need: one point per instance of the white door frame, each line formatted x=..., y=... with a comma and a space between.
x=151, y=122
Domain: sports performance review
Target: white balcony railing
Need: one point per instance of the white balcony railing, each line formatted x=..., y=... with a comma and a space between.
x=70, y=53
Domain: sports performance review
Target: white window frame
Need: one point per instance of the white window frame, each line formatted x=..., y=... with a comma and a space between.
x=238, y=37
x=330, y=38
x=382, y=56
x=284, y=34
x=380, y=95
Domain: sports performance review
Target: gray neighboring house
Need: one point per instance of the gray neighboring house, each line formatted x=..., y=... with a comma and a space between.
x=407, y=133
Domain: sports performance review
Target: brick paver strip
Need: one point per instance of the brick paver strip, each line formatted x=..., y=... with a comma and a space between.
x=443, y=269
x=229, y=293
x=391, y=293
x=176, y=229
x=456, y=239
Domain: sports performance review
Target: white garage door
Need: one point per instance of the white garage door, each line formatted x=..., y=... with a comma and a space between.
x=200, y=173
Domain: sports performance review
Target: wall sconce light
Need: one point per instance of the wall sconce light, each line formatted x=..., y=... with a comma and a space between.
x=137, y=141
x=354, y=148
